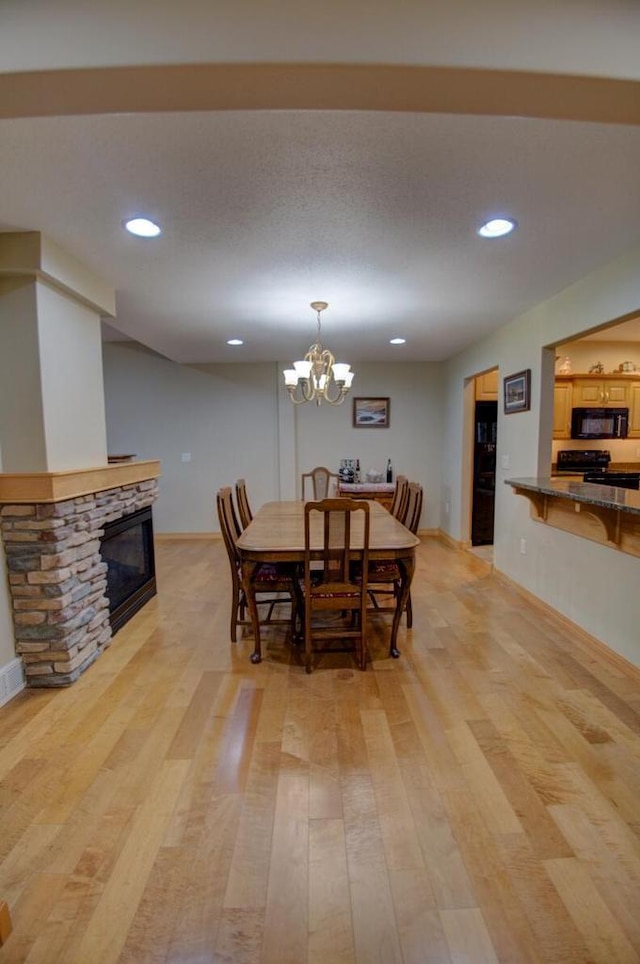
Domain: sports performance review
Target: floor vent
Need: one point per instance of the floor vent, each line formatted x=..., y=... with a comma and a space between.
x=11, y=680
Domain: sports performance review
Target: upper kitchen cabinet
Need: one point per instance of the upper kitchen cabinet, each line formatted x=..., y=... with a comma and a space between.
x=598, y=391
x=562, y=404
x=634, y=410
x=487, y=386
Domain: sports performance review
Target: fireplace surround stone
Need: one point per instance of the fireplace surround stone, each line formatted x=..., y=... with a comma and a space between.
x=57, y=578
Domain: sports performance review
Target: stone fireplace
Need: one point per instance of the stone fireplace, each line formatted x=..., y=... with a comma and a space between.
x=52, y=525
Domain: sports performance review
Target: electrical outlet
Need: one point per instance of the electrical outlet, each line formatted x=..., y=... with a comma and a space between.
x=523, y=546
x=505, y=461
x=186, y=457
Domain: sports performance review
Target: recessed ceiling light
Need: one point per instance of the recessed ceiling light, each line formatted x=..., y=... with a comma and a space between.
x=235, y=341
x=397, y=341
x=497, y=228
x=142, y=228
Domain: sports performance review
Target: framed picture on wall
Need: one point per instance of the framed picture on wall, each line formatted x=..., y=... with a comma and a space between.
x=371, y=412
x=517, y=392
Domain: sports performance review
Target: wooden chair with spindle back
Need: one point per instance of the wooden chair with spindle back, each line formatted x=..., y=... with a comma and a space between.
x=400, y=497
x=337, y=588
x=384, y=575
x=273, y=582
x=244, y=509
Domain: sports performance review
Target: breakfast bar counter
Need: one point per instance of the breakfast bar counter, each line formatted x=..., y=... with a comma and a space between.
x=601, y=513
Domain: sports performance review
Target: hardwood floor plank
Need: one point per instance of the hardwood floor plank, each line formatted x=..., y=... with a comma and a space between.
x=603, y=936
x=512, y=936
x=249, y=871
x=480, y=779
x=374, y=924
x=617, y=881
x=286, y=913
x=467, y=936
x=422, y=937
x=476, y=799
x=399, y=837
x=101, y=942
x=330, y=928
x=534, y=817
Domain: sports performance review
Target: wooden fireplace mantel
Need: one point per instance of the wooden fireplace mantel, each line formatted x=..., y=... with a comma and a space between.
x=34, y=487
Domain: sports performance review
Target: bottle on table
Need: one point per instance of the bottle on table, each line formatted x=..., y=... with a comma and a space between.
x=389, y=471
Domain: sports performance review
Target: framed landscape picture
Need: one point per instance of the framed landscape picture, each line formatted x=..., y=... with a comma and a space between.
x=371, y=412
x=517, y=392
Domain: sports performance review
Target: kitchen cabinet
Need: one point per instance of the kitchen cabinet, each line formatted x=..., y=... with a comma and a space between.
x=597, y=391
x=487, y=386
x=634, y=410
x=562, y=405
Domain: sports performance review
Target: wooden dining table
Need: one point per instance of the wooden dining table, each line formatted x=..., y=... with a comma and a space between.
x=276, y=534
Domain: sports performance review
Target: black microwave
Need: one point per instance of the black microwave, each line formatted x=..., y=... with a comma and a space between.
x=599, y=422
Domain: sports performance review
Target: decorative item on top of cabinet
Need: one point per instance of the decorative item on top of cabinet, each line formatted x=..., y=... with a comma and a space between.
x=487, y=386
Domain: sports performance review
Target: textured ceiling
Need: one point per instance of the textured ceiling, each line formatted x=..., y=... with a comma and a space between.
x=264, y=211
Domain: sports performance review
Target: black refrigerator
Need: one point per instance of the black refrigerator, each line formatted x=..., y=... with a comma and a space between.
x=484, y=473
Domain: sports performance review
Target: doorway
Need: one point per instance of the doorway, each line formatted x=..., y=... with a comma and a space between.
x=485, y=437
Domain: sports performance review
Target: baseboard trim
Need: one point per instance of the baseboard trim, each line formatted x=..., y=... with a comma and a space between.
x=172, y=536
x=589, y=642
x=449, y=540
x=12, y=680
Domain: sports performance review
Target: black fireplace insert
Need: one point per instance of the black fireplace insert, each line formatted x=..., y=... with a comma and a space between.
x=127, y=548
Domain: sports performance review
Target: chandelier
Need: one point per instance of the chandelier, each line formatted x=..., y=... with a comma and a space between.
x=319, y=377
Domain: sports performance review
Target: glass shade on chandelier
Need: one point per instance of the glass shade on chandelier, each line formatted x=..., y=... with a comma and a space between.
x=318, y=377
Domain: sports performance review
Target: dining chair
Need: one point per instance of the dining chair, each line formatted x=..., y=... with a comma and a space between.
x=384, y=575
x=242, y=500
x=273, y=582
x=323, y=482
x=335, y=574
x=400, y=498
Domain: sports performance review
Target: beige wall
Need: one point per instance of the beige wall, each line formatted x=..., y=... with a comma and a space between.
x=71, y=379
x=21, y=424
x=413, y=440
x=593, y=585
x=51, y=390
x=223, y=416
x=237, y=421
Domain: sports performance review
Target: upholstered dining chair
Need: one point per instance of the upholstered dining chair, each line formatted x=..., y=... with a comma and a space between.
x=384, y=575
x=335, y=590
x=323, y=483
x=274, y=583
x=242, y=500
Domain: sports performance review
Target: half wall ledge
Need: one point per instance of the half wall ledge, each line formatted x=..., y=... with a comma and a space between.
x=602, y=513
x=40, y=487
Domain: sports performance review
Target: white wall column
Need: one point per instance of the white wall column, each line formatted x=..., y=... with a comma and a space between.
x=52, y=415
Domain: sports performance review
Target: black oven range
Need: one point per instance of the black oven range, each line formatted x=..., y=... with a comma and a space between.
x=593, y=466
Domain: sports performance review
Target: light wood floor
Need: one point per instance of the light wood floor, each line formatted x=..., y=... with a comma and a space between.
x=476, y=800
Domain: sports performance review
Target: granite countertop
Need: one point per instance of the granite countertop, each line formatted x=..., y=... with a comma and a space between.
x=607, y=496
